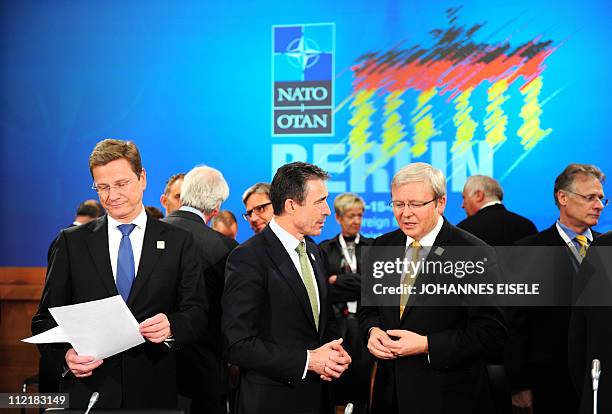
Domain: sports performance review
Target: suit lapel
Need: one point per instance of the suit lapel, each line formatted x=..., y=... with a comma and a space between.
x=287, y=269
x=148, y=258
x=442, y=239
x=97, y=244
x=398, y=239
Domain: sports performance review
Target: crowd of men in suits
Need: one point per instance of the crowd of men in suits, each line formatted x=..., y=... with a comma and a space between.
x=277, y=323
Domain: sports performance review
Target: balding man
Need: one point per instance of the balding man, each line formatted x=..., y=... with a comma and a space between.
x=487, y=218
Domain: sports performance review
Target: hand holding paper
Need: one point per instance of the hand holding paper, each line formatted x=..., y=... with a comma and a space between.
x=81, y=365
x=96, y=329
x=156, y=329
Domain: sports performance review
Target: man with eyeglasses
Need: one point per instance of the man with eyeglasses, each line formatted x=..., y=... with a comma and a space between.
x=536, y=352
x=430, y=358
x=151, y=264
x=258, y=206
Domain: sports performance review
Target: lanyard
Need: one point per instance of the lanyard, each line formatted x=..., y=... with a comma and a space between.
x=351, y=261
x=570, y=244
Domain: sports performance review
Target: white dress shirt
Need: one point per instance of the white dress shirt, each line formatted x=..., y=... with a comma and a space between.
x=136, y=237
x=290, y=243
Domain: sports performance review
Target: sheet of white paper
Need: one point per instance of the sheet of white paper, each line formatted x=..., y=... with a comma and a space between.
x=100, y=328
x=54, y=335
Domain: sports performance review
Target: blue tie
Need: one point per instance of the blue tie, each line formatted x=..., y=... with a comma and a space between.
x=125, y=262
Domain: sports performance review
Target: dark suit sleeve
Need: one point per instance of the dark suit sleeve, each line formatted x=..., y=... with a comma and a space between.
x=57, y=292
x=347, y=288
x=348, y=285
x=483, y=334
x=577, y=348
x=188, y=322
x=244, y=297
x=515, y=353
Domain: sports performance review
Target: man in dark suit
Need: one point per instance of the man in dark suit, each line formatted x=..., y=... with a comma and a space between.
x=200, y=365
x=487, y=218
x=590, y=336
x=536, y=351
x=343, y=262
x=152, y=265
x=275, y=305
x=430, y=357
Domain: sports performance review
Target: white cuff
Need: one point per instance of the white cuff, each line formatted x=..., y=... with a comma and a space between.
x=307, y=361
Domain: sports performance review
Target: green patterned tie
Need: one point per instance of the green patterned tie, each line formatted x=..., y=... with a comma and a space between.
x=308, y=279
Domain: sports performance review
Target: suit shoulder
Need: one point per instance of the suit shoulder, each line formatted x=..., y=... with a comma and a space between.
x=462, y=237
x=604, y=239
x=252, y=247
x=228, y=242
x=548, y=237
x=467, y=222
x=326, y=243
x=83, y=230
x=366, y=241
x=169, y=227
x=520, y=219
x=390, y=239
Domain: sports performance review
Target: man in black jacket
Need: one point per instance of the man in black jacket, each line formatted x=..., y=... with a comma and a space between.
x=200, y=366
x=430, y=357
x=151, y=264
x=275, y=305
x=589, y=333
x=487, y=218
x=536, y=352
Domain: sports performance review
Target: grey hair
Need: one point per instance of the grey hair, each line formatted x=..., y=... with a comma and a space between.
x=346, y=201
x=565, y=180
x=421, y=172
x=488, y=185
x=259, y=188
x=204, y=188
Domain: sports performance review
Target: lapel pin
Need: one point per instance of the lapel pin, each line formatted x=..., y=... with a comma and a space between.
x=161, y=245
x=313, y=258
x=439, y=251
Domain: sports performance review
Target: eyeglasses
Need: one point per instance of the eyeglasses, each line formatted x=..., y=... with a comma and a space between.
x=591, y=198
x=257, y=209
x=104, y=189
x=412, y=205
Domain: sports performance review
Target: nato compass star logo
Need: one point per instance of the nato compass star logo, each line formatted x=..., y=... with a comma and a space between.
x=303, y=79
x=303, y=53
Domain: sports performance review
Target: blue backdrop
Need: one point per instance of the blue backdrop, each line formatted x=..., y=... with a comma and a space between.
x=513, y=89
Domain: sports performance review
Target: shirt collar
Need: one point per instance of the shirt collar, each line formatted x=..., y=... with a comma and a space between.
x=571, y=234
x=429, y=239
x=140, y=221
x=194, y=211
x=490, y=203
x=287, y=239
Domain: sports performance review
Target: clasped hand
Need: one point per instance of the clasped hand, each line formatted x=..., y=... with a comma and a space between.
x=382, y=346
x=329, y=360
